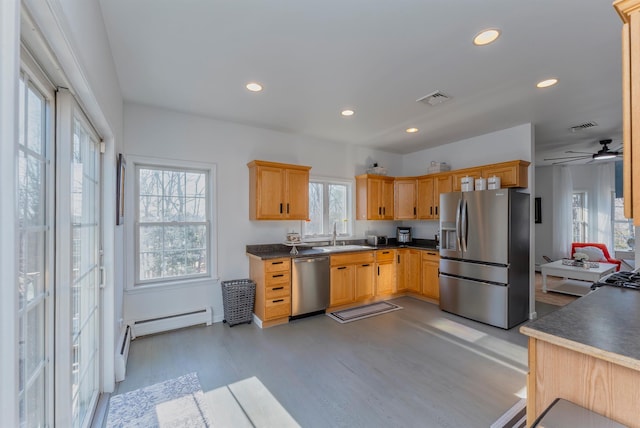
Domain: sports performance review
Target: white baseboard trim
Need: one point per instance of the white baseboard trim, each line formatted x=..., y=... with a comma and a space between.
x=158, y=325
x=122, y=353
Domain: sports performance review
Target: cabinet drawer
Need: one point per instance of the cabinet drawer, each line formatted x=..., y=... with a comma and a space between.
x=277, y=308
x=276, y=291
x=431, y=256
x=272, y=278
x=277, y=265
x=385, y=255
x=352, y=259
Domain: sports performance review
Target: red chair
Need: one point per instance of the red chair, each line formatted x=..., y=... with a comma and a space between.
x=607, y=257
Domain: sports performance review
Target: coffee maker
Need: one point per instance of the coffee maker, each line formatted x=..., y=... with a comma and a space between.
x=403, y=235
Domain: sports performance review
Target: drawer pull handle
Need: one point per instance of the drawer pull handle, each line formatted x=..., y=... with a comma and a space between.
x=365, y=265
x=277, y=288
x=276, y=263
x=432, y=254
x=278, y=301
x=385, y=252
x=278, y=276
x=342, y=267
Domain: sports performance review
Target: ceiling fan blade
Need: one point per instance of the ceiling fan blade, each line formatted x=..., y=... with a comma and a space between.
x=570, y=157
x=567, y=161
x=583, y=153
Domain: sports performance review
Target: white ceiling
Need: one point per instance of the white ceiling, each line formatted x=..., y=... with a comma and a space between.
x=315, y=58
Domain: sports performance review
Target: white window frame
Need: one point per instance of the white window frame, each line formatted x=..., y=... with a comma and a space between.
x=350, y=210
x=131, y=222
x=584, y=222
x=624, y=221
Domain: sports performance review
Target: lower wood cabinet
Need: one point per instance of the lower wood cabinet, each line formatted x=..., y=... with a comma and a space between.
x=386, y=272
x=273, y=289
x=430, y=271
x=352, y=278
x=409, y=270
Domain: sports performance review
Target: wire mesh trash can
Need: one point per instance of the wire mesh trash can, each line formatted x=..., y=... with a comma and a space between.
x=238, y=296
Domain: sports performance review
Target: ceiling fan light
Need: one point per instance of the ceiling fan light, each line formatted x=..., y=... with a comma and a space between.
x=602, y=156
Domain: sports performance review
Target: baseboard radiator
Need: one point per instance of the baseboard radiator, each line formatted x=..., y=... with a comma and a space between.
x=158, y=325
x=122, y=353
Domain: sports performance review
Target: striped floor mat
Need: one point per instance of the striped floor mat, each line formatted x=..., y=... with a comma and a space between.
x=361, y=312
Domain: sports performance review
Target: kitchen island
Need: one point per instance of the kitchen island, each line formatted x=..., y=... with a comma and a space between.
x=588, y=352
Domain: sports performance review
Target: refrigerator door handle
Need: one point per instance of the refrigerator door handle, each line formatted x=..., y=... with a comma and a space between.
x=464, y=226
x=458, y=209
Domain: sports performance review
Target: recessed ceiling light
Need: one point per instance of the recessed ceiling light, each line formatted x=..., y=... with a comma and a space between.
x=486, y=36
x=412, y=130
x=547, y=83
x=347, y=112
x=254, y=87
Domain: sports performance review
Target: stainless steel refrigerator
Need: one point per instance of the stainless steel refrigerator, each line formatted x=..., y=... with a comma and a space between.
x=484, y=256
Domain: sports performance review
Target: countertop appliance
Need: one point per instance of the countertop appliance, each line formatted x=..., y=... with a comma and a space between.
x=623, y=279
x=376, y=240
x=403, y=235
x=484, y=255
x=309, y=285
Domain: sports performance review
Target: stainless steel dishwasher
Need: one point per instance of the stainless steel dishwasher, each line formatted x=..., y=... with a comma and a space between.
x=310, y=285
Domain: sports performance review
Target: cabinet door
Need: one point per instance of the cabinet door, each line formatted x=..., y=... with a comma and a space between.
x=425, y=198
x=386, y=193
x=297, y=194
x=341, y=288
x=413, y=278
x=386, y=281
x=405, y=199
x=374, y=198
x=269, y=193
x=364, y=281
x=401, y=268
x=456, y=176
x=430, y=282
x=442, y=184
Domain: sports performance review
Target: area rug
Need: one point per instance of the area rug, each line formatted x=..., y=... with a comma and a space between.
x=177, y=402
x=362, y=312
x=515, y=417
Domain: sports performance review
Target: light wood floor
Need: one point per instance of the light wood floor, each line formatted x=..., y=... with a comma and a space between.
x=551, y=297
x=415, y=367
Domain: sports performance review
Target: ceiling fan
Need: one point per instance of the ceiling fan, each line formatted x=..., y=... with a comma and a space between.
x=603, y=153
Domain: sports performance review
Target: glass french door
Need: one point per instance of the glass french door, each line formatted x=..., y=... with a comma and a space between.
x=35, y=254
x=78, y=251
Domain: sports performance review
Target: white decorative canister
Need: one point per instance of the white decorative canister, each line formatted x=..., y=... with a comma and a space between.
x=481, y=183
x=466, y=184
x=493, y=182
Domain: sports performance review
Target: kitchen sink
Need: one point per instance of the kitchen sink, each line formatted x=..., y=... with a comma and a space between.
x=338, y=248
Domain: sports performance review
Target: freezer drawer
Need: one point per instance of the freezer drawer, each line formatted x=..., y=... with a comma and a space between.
x=479, y=271
x=480, y=301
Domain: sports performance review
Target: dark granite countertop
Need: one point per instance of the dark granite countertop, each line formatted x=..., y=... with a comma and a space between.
x=603, y=324
x=274, y=251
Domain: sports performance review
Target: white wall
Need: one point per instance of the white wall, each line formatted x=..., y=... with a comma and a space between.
x=500, y=146
x=161, y=133
x=170, y=135
x=585, y=178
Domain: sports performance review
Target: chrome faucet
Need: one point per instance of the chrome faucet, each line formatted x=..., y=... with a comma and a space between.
x=333, y=239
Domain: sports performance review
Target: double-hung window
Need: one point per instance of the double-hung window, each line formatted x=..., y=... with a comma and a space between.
x=580, y=217
x=623, y=229
x=173, y=223
x=329, y=206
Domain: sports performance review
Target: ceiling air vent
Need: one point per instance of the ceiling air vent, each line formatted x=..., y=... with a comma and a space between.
x=434, y=98
x=583, y=126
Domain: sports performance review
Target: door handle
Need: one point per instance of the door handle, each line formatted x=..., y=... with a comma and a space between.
x=458, y=214
x=342, y=267
x=464, y=224
x=287, y=208
x=280, y=208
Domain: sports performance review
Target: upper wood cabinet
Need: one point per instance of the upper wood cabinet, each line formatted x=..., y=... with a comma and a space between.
x=458, y=174
x=629, y=11
x=429, y=189
x=374, y=197
x=512, y=174
x=405, y=198
x=278, y=191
